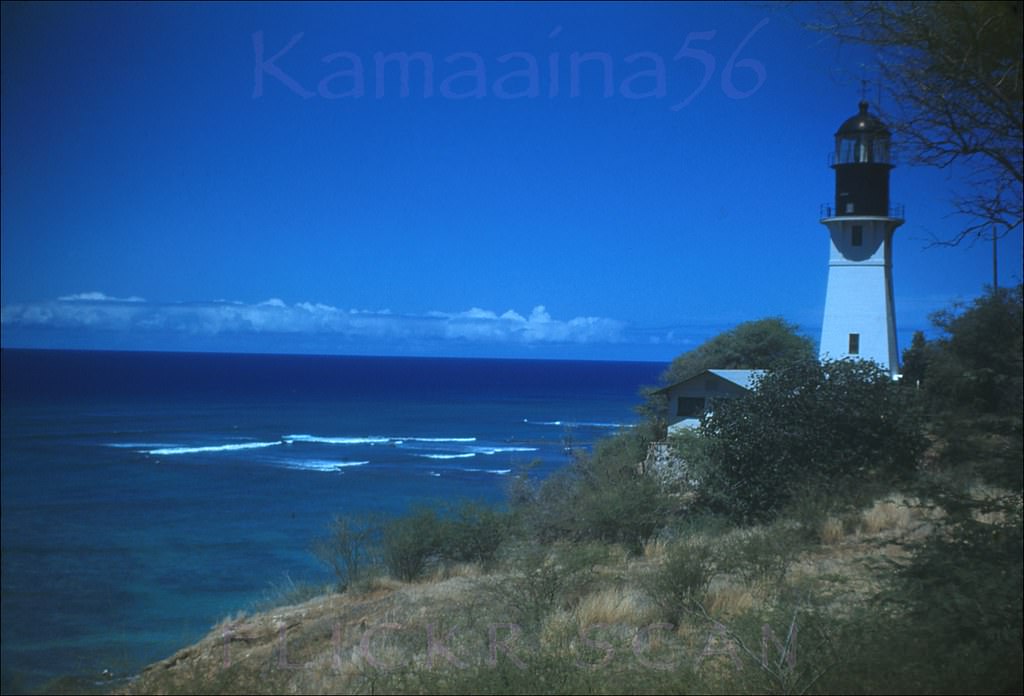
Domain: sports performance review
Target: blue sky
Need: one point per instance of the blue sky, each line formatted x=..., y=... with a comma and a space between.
x=170, y=182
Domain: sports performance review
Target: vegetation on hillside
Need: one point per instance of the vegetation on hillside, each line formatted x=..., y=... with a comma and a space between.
x=846, y=533
x=831, y=429
x=764, y=344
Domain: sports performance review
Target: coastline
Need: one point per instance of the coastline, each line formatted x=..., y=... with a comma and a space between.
x=150, y=548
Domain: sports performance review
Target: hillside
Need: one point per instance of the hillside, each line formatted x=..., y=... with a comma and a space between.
x=586, y=618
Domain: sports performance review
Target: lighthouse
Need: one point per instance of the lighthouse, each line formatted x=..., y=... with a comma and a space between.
x=859, y=318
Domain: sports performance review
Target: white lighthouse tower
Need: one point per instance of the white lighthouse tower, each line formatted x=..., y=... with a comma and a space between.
x=859, y=318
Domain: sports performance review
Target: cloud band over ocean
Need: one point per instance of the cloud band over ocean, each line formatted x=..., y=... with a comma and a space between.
x=96, y=311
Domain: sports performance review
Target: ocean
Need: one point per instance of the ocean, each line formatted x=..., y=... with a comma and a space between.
x=146, y=496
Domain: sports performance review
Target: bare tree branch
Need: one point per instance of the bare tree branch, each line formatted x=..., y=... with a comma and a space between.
x=952, y=73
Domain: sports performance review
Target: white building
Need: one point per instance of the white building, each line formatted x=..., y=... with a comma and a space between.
x=691, y=398
x=859, y=316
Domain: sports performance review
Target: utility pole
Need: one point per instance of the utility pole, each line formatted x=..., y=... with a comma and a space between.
x=995, y=265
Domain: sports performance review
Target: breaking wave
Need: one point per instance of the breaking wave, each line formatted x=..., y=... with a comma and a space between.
x=211, y=448
x=370, y=440
x=320, y=464
x=336, y=440
x=581, y=424
x=499, y=450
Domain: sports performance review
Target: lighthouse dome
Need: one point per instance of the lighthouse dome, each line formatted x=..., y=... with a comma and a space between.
x=862, y=139
x=863, y=122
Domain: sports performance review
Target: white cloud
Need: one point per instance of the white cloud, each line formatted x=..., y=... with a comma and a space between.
x=97, y=297
x=482, y=325
x=540, y=315
x=97, y=311
x=477, y=313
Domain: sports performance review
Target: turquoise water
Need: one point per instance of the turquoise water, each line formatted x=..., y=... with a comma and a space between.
x=148, y=495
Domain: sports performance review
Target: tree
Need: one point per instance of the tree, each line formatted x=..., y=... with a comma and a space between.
x=915, y=360
x=974, y=385
x=952, y=72
x=762, y=344
x=602, y=497
x=819, y=428
x=977, y=367
x=348, y=548
x=409, y=542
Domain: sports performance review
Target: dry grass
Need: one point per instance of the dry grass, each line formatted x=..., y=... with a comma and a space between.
x=373, y=586
x=896, y=515
x=654, y=549
x=608, y=603
x=229, y=622
x=889, y=515
x=729, y=600
x=615, y=606
x=454, y=570
x=992, y=495
x=831, y=531
x=559, y=628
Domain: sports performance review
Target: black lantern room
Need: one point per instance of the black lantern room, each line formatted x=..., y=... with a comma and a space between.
x=862, y=163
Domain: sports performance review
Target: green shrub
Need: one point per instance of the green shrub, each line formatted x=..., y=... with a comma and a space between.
x=826, y=429
x=976, y=367
x=948, y=622
x=601, y=497
x=679, y=585
x=544, y=511
x=543, y=578
x=768, y=343
x=561, y=669
x=971, y=378
x=965, y=578
x=762, y=344
x=616, y=503
x=473, y=533
x=786, y=648
x=410, y=542
x=760, y=555
x=349, y=548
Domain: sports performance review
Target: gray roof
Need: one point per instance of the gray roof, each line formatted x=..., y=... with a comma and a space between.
x=741, y=378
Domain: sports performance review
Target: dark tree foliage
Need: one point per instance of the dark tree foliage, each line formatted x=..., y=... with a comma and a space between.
x=408, y=543
x=473, y=532
x=972, y=381
x=348, y=549
x=602, y=497
x=915, y=361
x=978, y=365
x=616, y=502
x=964, y=585
x=427, y=536
x=761, y=344
x=819, y=428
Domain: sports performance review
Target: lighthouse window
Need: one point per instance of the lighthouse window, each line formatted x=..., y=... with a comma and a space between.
x=854, y=344
x=847, y=149
x=881, y=150
x=857, y=236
